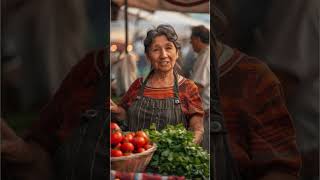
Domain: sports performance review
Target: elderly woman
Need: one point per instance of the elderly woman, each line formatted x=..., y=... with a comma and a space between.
x=164, y=97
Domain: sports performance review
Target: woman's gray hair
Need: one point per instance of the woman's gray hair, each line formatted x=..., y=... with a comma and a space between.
x=163, y=29
x=168, y=31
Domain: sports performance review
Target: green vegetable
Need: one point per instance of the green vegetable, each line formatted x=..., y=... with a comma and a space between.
x=177, y=154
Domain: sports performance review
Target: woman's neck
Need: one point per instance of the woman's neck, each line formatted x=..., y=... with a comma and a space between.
x=161, y=79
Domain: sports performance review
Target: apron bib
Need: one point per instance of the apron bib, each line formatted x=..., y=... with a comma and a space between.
x=145, y=111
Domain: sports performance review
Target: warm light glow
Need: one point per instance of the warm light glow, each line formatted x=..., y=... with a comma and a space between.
x=113, y=48
x=130, y=48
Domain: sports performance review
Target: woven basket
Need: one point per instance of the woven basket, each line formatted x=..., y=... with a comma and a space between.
x=133, y=163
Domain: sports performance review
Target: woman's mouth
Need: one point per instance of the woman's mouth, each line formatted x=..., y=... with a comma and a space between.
x=163, y=63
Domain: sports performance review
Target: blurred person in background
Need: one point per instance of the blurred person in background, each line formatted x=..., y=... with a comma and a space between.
x=124, y=69
x=188, y=60
x=289, y=40
x=201, y=71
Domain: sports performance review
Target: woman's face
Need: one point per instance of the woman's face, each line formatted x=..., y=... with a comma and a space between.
x=162, y=54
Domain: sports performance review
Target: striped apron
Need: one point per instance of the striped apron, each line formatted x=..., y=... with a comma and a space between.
x=145, y=111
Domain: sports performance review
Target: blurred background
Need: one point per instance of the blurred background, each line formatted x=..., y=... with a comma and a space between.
x=285, y=35
x=41, y=41
x=140, y=20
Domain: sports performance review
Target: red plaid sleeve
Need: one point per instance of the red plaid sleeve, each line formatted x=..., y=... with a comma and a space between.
x=261, y=134
x=191, y=100
x=273, y=141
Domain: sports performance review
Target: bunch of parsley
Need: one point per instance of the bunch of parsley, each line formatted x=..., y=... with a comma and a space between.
x=177, y=154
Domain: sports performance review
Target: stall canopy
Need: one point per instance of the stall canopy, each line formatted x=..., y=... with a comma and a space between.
x=147, y=20
x=195, y=6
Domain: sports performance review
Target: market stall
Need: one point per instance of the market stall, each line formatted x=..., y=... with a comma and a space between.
x=170, y=157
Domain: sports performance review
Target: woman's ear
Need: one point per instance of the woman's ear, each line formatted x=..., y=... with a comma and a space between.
x=198, y=40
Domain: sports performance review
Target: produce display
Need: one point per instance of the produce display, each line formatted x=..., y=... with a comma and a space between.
x=127, y=143
x=177, y=154
x=172, y=152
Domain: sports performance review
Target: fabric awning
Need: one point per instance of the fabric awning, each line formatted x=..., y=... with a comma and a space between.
x=194, y=6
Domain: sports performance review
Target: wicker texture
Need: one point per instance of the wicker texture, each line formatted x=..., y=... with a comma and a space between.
x=133, y=163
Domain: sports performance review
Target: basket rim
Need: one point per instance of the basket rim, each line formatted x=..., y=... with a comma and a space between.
x=148, y=151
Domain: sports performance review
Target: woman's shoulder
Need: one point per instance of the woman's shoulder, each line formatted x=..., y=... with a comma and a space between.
x=242, y=65
x=187, y=82
x=138, y=81
x=252, y=66
x=188, y=87
x=136, y=84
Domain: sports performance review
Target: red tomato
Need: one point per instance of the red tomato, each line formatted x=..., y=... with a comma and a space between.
x=116, y=138
x=139, y=141
x=132, y=133
x=116, y=153
x=147, y=146
x=114, y=127
x=117, y=146
x=143, y=134
x=140, y=150
x=128, y=138
x=127, y=147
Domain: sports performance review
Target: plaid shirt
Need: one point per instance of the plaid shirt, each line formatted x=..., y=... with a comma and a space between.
x=261, y=134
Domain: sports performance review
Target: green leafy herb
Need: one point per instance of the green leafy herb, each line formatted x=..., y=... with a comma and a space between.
x=177, y=154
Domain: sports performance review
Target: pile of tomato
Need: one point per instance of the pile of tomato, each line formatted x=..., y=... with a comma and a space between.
x=127, y=143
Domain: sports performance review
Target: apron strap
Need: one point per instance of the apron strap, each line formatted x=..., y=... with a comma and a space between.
x=176, y=88
x=144, y=83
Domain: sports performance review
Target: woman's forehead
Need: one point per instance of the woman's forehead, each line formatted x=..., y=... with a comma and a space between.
x=161, y=40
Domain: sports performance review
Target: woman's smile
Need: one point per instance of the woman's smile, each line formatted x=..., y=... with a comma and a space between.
x=164, y=63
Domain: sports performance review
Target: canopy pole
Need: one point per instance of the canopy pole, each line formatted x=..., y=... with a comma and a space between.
x=126, y=25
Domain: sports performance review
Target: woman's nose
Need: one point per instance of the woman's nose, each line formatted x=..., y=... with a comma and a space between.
x=163, y=53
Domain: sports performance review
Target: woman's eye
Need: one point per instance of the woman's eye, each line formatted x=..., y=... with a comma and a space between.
x=155, y=50
x=170, y=48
